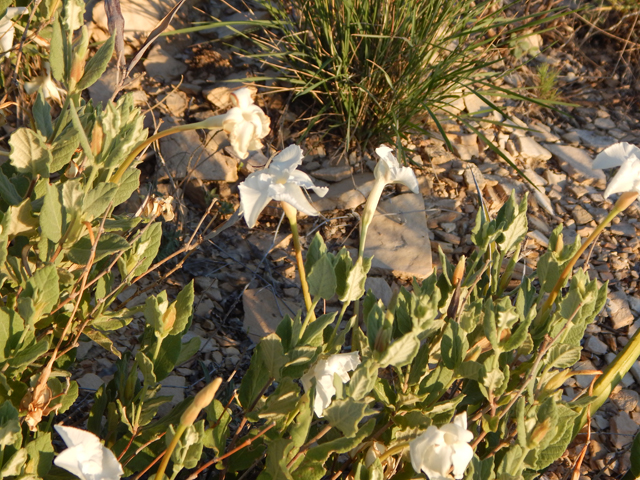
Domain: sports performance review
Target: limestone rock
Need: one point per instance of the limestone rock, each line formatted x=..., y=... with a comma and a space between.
x=528, y=148
x=263, y=312
x=140, y=17
x=220, y=97
x=90, y=381
x=626, y=400
x=398, y=237
x=595, y=345
x=595, y=140
x=162, y=66
x=232, y=30
x=623, y=429
x=185, y=154
x=619, y=311
x=577, y=163
x=333, y=174
x=345, y=195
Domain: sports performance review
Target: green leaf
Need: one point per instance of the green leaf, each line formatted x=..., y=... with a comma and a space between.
x=8, y=191
x=139, y=257
x=51, y=215
x=253, y=382
x=29, y=153
x=363, y=379
x=13, y=466
x=102, y=340
x=27, y=356
x=471, y=370
x=454, y=345
x=97, y=199
x=563, y=356
x=64, y=147
x=42, y=115
x=9, y=425
x=322, y=278
x=278, y=451
x=340, y=445
x=420, y=365
x=108, y=244
x=43, y=289
x=282, y=402
x=97, y=64
x=313, y=334
x=188, y=350
x=316, y=249
x=634, y=470
x=40, y=455
x=401, y=352
x=346, y=414
x=351, y=278
x=271, y=354
x=19, y=220
x=300, y=428
x=217, y=414
x=56, y=52
x=146, y=367
x=184, y=308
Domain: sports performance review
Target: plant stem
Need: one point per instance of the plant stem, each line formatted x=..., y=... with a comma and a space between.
x=212, y=122
x=393, y=450
x=292, y=214
x=167, y=454
x=623, y=202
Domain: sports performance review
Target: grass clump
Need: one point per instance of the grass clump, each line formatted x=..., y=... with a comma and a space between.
x=378, y=67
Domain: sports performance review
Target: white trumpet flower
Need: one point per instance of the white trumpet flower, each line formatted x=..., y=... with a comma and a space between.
x=86, y=457
x=7, y=30
x=323, y=371
x=389, y=171
x=280, y=181
x=44, y=82
x=438, y=449
x=245, y=124
x=625, y=156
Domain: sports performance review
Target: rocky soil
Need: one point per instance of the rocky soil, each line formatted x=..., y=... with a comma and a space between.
x=246, y=279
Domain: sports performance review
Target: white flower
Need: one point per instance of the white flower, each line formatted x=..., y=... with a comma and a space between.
x=323, y=371
x=625, y=156
x=280, y=181
x=388, y=170
x=438, y=449
x=7, y=30
x=44, y=82
x=246, y=124
x=375, y=450
x=86, y=457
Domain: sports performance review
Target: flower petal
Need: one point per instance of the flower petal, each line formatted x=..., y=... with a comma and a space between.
x=408, y=179
x=288, y=159
x=293, y=195
x=625, y=179
x=615, y=155
x=254, y=196
x=68, y=460
x=302, y=179
x=76, y=436
x=461, y=456
x=242, y=98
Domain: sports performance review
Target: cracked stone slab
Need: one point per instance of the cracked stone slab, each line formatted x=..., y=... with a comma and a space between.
x=398, y=237
x=263, y=312
x=186, y=155
x=578, y=164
